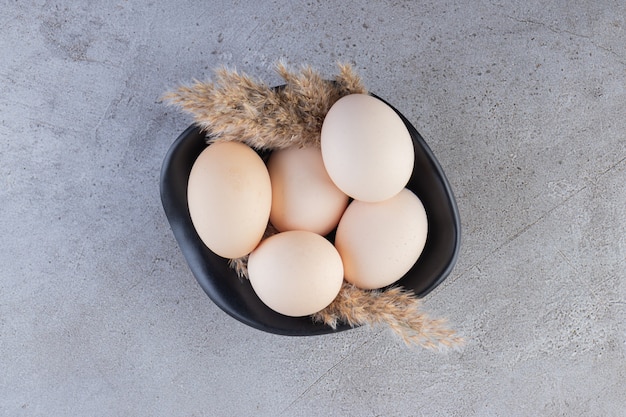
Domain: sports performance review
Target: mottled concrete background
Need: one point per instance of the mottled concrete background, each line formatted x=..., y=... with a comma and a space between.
x=523, y=103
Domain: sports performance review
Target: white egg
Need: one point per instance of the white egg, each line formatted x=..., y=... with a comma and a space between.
x=229, y=196
x=366, y=148
x=303, y=195
x=296, y=273
x=380, y=242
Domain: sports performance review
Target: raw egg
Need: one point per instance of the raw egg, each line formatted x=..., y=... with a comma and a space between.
x=366, y=148
x=303, y=195
x=296, y=273
x=380, y=242
x=229, y=196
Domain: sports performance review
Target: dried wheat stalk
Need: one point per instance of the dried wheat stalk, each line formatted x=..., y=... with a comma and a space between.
x=236, y=107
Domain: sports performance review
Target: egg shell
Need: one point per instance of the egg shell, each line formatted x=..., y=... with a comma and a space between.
x=296, y=273
x=303, y=195
x=380, y=242
x=229, y=196
x=366, y=148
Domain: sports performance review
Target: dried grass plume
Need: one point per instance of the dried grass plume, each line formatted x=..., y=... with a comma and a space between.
x=236, y=107
x=395, y=307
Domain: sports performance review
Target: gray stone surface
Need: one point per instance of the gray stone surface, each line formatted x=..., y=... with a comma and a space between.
x=524, y=105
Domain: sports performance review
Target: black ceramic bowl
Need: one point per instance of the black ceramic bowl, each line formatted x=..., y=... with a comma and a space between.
x=236, y=297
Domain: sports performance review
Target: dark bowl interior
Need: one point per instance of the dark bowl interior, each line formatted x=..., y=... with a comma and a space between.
x=235, y=295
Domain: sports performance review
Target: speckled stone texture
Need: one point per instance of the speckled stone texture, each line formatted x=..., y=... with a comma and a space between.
x=523, y=104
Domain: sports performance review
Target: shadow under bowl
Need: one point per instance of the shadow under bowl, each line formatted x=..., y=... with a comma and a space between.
x=235, y=295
